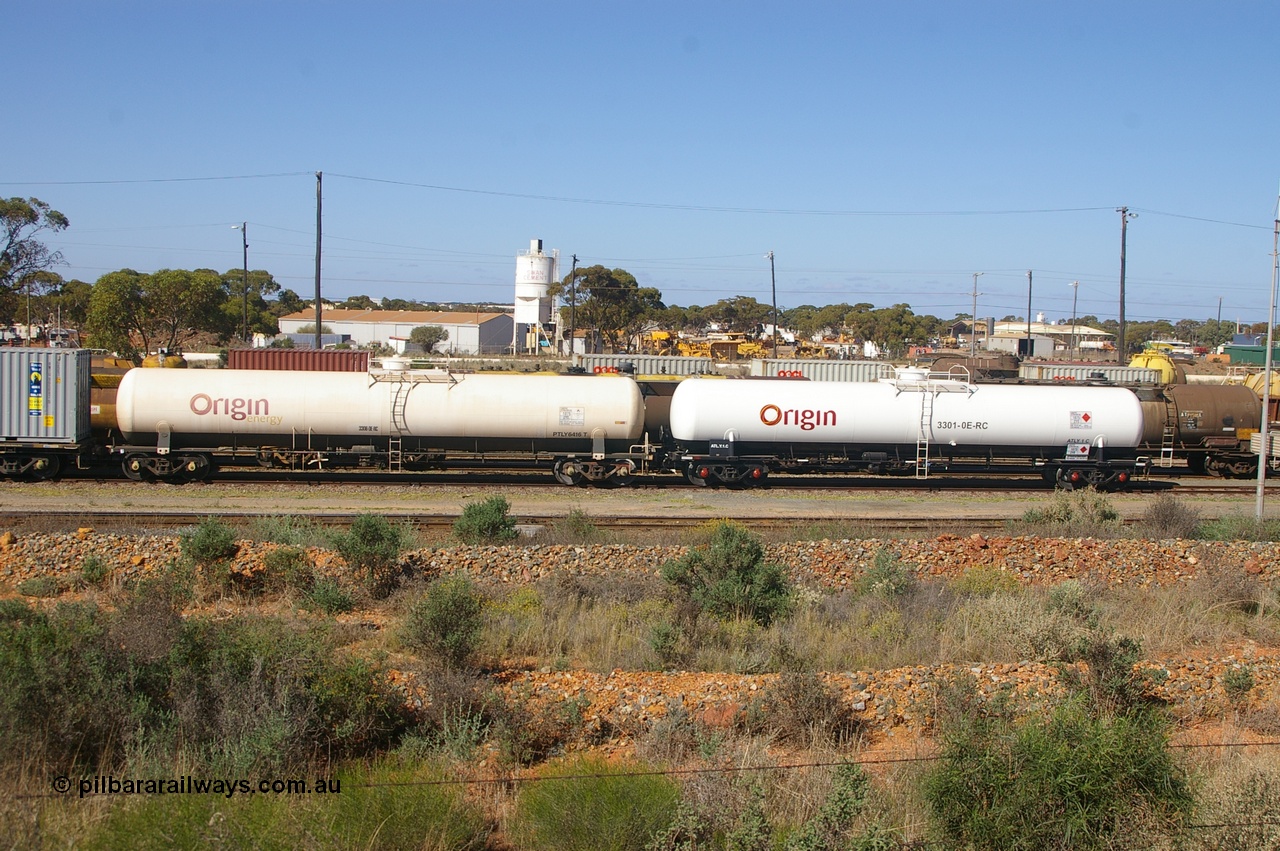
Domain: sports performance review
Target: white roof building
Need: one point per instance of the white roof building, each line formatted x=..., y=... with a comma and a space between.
x=1065, y=337
x=470, y=333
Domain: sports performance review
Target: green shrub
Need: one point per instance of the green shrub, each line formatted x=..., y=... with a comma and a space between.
x=887, y=576
x=592, y=805
x=729, y=578
x=833, y=826
x=1071, y=780
x=487, y=522
x=1237, y=682
x=94, y=571
x=372, y=546
x=446, y=620
x=326, y=595
x=210, y=543
x=287, y=568
x=1078, y=514
x=39, y=586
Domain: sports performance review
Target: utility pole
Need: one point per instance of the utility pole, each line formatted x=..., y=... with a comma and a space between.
x=1264, y=453
x=1125, y=216
x=243, y=227
x=573, y=303
x=1075, y=292
x=773, y=281
x=1028, y=352
x=319, y=183
x=973, y=318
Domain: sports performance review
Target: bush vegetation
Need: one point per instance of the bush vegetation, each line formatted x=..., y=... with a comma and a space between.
x=445, y=621
x=131, y=681
x=487, y=522
x=372, y=546
x=730, y=579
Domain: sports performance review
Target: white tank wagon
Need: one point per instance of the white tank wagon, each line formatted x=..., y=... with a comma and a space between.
x=736, y=432
x=395, y=419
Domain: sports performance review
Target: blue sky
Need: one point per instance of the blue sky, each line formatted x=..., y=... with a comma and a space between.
x=883, y=151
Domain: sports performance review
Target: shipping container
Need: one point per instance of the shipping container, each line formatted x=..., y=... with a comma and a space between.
x=648, y=364
x=299, y=360
x=44, y=395
x=1112, y=373
x=823, y=370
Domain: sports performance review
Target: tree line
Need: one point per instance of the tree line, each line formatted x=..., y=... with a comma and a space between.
x=128, y=311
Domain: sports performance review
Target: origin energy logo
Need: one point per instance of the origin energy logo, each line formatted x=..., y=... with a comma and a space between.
x=238, y=409
x=806, y=418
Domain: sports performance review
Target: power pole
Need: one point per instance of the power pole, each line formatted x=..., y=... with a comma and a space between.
x=1125, y=215
x=973, y=318
x=774, y=285
x=244, y=281
x=1264, y=453
x=1028, y=352
x=1075, y=291
x=573, y=302
x=319, y=183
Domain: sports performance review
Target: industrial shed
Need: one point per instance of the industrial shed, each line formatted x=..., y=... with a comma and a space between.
x=470, y=333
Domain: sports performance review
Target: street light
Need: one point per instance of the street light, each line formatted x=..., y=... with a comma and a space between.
x=243, y=227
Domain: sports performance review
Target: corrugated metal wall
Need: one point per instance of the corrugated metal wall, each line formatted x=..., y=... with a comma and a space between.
x=651, y=364
x=1089, y=372
x=825, y=370
x=44, y=395
x=299, y=360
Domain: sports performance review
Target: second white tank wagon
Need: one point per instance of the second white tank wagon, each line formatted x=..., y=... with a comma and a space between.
x=902, y=412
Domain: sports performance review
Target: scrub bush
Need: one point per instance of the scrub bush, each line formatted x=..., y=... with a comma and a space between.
x=446, y=621
x=592, y=805
x=1073, y=779
x=372, y=546
x=730, y=579
x=487, y=522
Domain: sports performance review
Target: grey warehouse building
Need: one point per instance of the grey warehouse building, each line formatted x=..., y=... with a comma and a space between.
x=470, y=333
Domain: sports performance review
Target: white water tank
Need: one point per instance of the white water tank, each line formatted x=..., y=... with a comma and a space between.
x=535, y=271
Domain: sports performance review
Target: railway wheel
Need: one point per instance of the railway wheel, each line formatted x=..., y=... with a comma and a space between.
x=1070, y=479
x=567, y=472
x=699, y=474
x=44, y=468
x=190, y=468
x=138, y=468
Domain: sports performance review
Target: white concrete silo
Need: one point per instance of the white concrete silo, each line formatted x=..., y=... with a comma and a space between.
x=535, y=272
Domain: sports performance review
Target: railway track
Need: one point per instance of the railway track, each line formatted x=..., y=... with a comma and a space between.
x=439, y=526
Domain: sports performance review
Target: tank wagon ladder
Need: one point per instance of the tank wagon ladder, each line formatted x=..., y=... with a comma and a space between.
x=402, y=383
x=1169, y=433
x=922, y=439
x=929, y=385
